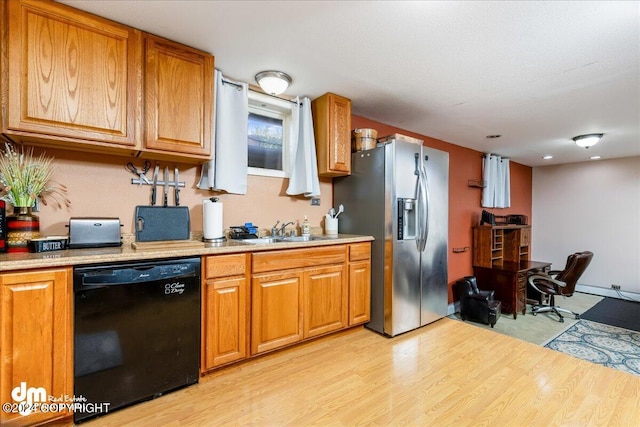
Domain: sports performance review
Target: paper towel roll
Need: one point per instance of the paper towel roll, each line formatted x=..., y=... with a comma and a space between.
x=212, y=219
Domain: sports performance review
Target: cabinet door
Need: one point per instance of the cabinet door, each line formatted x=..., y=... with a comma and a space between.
x=73, y=78
x=276, y=316
x=179, y=98
x=225, y=317
x=325, y=300
x=35, y=338
x=525, y=236
x=359, y=292
x=332, y=125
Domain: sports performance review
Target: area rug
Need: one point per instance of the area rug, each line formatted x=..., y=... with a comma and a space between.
x=602, y=344
x=615, y=312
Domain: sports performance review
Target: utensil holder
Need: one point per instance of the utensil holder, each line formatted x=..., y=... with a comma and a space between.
x=331, y=226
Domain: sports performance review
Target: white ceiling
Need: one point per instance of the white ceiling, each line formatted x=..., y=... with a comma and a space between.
x=535, y=72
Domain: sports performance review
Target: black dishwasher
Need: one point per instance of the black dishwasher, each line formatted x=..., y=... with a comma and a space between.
x=136, y=332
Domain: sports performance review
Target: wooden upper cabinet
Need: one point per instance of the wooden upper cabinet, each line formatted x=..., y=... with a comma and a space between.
x=178, y=98
x=75, y=80
x=332, y=126
x=71, y=77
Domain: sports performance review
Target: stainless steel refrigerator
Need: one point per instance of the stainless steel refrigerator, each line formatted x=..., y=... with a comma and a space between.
x=399, y=194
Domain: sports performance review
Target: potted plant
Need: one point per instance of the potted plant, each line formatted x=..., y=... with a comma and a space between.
x=23, y=178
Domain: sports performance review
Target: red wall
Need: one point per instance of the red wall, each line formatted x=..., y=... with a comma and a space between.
x=464, y=201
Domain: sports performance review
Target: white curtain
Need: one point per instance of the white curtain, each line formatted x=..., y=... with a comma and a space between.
x=227, y=171
x=495, y=174
x=303, y=177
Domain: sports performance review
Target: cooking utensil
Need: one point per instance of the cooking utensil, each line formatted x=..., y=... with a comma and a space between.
x=142, y=174
x=155, y=182
x=165, y=203
x=176, y=190
x=340, y=210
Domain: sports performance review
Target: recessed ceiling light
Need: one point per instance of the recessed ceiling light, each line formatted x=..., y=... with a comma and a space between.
x=493, y=136
x=595, y=157
x=547, y=157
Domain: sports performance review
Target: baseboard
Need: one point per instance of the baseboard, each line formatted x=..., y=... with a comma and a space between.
x=454, y=307
x=604, y=292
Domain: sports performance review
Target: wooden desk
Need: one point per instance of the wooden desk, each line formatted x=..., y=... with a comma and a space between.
x=509, y=281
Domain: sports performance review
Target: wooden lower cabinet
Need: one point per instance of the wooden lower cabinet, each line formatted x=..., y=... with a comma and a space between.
x=299, y=294
x=359, y=292
x=276, y=317
x=36, y=338
x=225, y=310
x=359, y=283
x=326, y=298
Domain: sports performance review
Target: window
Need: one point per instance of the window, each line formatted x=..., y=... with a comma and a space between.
x=268, y=135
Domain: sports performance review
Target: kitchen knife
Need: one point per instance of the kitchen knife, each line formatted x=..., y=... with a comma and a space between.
x=155, y=182
x=176, y=190
x=166, y=187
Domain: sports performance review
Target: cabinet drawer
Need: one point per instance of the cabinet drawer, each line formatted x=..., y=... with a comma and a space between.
x=298, y=258
x=225, y=265
x=359, y=251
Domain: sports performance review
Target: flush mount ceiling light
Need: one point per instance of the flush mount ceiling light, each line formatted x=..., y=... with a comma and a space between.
x=273, y=82
x=588, y=140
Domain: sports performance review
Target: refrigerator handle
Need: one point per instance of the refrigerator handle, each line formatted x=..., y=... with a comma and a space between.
x=422, y=214
x=423, y=208
x=427, y=202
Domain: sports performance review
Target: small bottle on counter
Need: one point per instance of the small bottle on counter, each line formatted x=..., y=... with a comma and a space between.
x=306, y=227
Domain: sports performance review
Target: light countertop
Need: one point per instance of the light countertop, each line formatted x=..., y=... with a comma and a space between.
x=71, y=257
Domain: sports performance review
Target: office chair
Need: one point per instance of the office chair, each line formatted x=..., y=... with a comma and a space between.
x=560, y=282
x=475, y=304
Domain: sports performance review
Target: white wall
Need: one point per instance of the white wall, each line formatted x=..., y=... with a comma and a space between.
x=590, y=206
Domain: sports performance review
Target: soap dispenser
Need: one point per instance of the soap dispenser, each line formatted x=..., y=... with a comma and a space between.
x=306, y=227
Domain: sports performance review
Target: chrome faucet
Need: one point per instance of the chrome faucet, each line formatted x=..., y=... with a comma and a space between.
x=274, y=229
x=282, y=232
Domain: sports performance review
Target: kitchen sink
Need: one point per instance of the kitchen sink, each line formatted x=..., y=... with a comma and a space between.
x=265, y=240
x=304, y=238
x=262, y=240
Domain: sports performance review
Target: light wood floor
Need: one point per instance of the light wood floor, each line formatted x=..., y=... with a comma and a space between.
x=448, y=373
